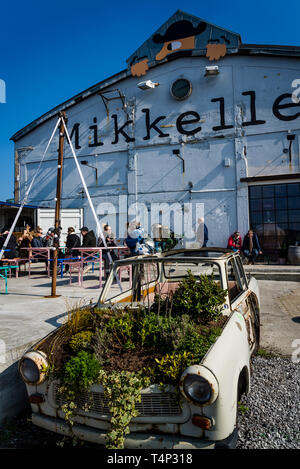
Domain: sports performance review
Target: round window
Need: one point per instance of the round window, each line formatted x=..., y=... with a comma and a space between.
x=181, y=88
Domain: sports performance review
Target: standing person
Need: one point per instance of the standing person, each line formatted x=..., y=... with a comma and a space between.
x=202, y=233
x=72, y=241
x=110, y=242
x=49, y=240
x=88, y=241
x=89, y=238
x=251, y=247
x=235, y=242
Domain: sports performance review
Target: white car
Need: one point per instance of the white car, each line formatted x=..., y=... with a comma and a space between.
x=206, y=416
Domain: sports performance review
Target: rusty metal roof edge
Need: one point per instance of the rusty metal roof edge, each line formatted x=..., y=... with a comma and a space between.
x=70, y=102
x=269, y=46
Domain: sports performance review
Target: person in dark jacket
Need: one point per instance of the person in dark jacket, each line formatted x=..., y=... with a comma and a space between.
x=48, y=240
x=89, y=238
x=11, y=248
x=73, y=241
x=88, y=241
x=251, y=247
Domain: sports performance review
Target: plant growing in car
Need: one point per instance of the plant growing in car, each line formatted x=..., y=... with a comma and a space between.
x=178, y=333
x=201, y=300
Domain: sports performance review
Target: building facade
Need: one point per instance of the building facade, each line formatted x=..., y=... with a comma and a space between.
x=198, y=122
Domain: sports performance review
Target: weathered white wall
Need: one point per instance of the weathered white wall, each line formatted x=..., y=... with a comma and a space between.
x=149, y=166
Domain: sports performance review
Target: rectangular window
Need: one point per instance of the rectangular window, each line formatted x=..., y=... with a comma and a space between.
x=275, y=215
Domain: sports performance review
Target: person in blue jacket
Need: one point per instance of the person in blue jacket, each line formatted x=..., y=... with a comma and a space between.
x=251, y=247
x=135, y=238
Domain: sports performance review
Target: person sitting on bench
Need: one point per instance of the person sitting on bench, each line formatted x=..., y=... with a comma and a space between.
x=251, y=247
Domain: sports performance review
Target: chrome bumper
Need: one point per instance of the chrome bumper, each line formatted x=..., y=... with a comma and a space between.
x=133, y=441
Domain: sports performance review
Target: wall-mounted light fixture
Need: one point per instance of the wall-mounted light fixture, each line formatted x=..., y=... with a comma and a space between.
x=290, y=137
x=211, y=71
x=147, y=85
x=177, y=153
x=85, y=163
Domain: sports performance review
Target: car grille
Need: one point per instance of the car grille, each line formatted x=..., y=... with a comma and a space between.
x=152, y=404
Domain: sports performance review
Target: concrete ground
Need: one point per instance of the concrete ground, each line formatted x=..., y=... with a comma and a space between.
x=280, y=306
x=280, y=316
x=26, y=316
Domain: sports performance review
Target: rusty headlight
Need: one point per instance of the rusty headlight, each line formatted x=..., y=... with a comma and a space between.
x=32, y=367
x=199, y=385
x=197, y=389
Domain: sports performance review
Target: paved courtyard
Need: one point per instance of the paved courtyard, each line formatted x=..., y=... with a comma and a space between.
x=26, y=315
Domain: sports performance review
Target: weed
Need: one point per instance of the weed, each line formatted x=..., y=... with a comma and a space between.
x=242, y=408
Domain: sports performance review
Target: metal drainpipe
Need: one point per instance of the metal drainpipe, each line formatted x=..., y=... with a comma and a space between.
x=131, y=148
x=17, y=178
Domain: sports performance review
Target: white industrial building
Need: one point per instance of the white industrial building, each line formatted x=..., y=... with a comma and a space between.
x=197, y=119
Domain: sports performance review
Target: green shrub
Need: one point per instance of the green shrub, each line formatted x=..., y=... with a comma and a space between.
x=81, y=341
x=169, y=368
x=201, y=300
x=123, y=391
x=121, y=327
x=81, y=371
x=175, y=333
x=79, y=319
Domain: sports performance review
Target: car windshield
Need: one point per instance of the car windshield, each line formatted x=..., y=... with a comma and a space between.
x=138, y=277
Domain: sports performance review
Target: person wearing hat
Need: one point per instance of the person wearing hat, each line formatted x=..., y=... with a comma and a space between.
x=88, y=241
x=179, y=36
x=48, y=240
x=88, y=238
x=235, y=242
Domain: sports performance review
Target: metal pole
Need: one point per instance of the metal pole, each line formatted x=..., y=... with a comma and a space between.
x=57, y=204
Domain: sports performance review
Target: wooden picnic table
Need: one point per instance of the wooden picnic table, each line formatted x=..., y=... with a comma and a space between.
x=39, y=254
x=94, y=254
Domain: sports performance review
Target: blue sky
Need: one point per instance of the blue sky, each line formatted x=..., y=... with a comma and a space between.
x=51, y=50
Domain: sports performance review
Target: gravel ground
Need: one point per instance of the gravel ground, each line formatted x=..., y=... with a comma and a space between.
x=269, y=416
